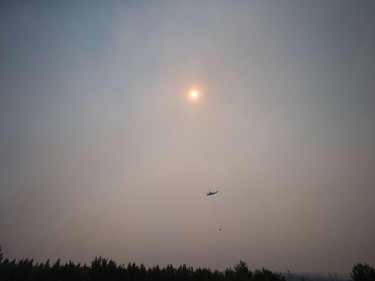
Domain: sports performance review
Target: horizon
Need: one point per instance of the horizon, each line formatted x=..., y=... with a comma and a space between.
x=286, y=272
x=117, y=118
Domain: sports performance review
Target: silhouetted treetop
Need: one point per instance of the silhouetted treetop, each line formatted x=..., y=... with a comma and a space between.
x=363, y=272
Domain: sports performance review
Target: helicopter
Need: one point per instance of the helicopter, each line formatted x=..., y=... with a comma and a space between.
x=209, y=193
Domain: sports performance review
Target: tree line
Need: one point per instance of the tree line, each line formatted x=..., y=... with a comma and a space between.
x=101, y=269
x=104, y=269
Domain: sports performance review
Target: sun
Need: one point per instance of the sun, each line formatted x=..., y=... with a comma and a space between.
x=194, y=94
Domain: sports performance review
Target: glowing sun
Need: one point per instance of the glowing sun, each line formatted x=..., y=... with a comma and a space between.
x=194, y=94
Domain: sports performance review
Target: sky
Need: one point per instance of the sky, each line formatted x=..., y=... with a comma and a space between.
x=103, y=152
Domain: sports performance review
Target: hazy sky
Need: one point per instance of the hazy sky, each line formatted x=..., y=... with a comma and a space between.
x=103, y=153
